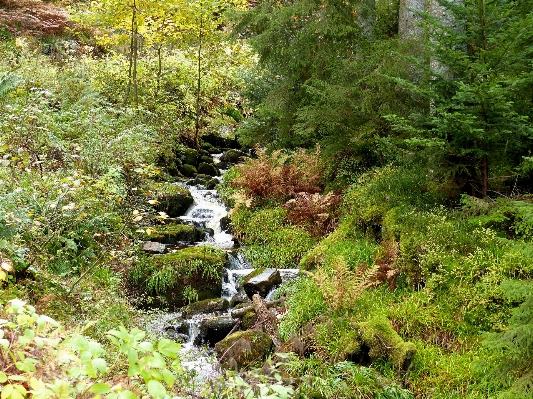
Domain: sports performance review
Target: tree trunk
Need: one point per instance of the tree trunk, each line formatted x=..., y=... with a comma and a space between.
x=135, y=55
x=198, y=84
x=132, y=45
x=484, y=176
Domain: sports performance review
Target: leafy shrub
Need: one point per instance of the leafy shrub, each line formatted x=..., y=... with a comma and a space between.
x=319, y=378
x=38, y=358
x=279, y=176
x=508, y=366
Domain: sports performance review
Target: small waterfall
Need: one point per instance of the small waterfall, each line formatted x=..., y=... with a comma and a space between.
x=206, y=212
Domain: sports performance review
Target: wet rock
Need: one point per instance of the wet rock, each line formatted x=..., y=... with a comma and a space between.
x=205, y=306
x=173, y=199
x=208, y=169
x=225, y=224
x=173, y=234
x=261, y=281
x=153, y=247
x=178, y=332
x=239, y=302
x=215, y=329
x=233, y=156
x=188, y=170
x=242, y=348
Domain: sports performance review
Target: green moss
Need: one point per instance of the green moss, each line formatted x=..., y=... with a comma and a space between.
x=208, y=169
x=164, y=278
x=205, y=306
x=249, y=319
x=383, y=342
x=188, y=170
x=242, y=348
x=173, y=199
x=175, y=233
x=189, y=156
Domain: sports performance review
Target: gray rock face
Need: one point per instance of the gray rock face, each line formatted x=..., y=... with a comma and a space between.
x=153, y=247
x=261, y=281
x=215, y=329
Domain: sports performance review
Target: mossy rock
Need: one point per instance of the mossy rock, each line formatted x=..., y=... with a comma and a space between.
x=211, y=184
x=188, y=170
x=219, y=141
x=189, y=156
x=233, y=156
x=207, y=159
x=174, y=234
x=205, y=306
x=248, y=320
x=208, y=169
x=165, y=279
x=174, y=200
x=242, y=348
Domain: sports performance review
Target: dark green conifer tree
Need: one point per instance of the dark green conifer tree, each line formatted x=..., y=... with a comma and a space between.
x=479, y=92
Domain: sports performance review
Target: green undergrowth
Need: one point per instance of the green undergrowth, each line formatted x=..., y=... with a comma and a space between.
x=443, y=278
x=269, y=241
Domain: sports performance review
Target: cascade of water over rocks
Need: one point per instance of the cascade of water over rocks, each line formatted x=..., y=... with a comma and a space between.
x=200, y=331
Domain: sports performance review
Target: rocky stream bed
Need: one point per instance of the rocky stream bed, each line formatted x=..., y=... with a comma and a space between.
x=219, y=306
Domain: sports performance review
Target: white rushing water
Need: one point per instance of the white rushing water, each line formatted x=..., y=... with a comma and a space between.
x=206, y=212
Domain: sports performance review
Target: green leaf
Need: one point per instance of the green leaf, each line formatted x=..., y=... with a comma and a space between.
x=169, y=348
x=126, y=395
x=7, y=391
x=3, y=377
x=4, y=343
x=168, y=377
x=100, y=365
x=146, y=346
x=156, y=389
x=100, y=388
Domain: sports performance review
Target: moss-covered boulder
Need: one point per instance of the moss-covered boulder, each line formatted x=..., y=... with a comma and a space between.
x=188, y=170
x=233, y=156
x=205, y=306
x=174, y=234
x=249, y=320
x=242, y=348
x=208, y=169
x=174, y=279
x=188, y=156
x=174, y=200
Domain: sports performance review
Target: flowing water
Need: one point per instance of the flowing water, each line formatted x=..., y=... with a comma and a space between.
x=207, y=212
